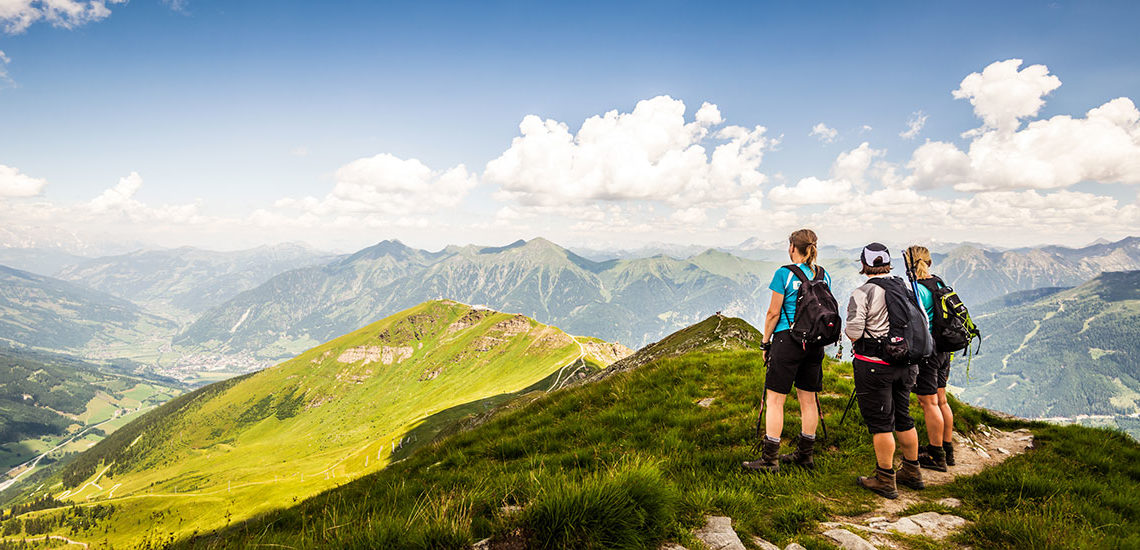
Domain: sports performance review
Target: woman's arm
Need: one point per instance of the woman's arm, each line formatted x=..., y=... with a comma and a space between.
x=773, y=317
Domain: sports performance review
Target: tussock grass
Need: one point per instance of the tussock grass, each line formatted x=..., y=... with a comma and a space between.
x=1079, y=489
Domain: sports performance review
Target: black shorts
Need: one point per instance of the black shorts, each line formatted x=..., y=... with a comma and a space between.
x=883, y=392
x=789, y=362
x=933, y=372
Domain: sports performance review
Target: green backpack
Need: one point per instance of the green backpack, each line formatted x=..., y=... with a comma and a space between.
x=953, y=329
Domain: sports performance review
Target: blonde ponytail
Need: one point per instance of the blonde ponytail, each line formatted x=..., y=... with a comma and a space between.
x=919, y=258
x=805, y=242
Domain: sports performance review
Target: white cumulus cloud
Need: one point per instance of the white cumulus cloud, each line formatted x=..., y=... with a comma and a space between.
x=120, y=201
x=1053, y=153
x=386, y=184
x=4, y=61
x=1002, y=95
x=824, y=133
x=15, y=184
x=17, y=15
x=914, y=125
x=848, y=174
x=649, y=154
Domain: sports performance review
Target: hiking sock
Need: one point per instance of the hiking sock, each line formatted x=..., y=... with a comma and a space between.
x=772, y=439
x=807, y=437
x=911, y=462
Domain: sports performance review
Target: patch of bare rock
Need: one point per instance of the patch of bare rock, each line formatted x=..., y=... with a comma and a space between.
x=718, y=534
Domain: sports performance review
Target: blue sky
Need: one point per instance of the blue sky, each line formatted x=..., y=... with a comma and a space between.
x=224, y=109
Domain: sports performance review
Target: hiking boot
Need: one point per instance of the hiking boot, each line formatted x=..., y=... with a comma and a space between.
x=769, y=462
x=802, y=456
x=933, y=457
x=882, y=483
x=910, y=475
x=948, y=448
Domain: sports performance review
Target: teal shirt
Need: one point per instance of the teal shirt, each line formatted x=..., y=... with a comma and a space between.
x=786, y=283
x=927, y=301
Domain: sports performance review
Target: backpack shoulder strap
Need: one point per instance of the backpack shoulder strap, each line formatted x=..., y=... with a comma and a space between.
x=799, y=273
x=878, y=281
x=819, y=274
x=932, y=284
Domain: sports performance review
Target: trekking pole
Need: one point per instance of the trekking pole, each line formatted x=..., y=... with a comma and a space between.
x=847, y=408
x=756, y=447
x=822, y=423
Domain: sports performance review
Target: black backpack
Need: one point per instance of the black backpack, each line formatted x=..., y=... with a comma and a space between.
x=817, y=321
x=908, y=339
x=953, y=328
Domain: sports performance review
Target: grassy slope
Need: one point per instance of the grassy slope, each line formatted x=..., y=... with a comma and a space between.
x=266, y=440
x=1067, y=353
x=632, y=460
x=68, y=396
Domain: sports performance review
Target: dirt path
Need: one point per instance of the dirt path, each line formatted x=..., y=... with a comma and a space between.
x=45, y=538
x=987, y=448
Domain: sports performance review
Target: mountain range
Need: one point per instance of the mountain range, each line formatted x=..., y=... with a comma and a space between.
x=630, y=301
x=181, y=283
x=634, y=301
x=54, y=315
x=1060, y=352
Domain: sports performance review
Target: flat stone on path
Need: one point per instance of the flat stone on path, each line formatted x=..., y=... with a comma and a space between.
x=794, y=546
x=672, y=546
x=717, y=534
x=763, y=544
x=950, y=502
x=848, y=540
x=937, y=526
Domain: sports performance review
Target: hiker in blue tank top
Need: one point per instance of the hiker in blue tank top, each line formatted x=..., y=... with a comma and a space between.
x=933, y=373
x=789, y=362
x=786, y=283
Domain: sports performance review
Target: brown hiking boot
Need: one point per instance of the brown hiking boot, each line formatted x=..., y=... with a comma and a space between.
x=933, y=457
x=768, y=458
x=802, y=456
x=882, y=483
x=948, y=448
x=910, y=475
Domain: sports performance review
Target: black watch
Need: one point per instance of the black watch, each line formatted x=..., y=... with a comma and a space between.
x=766, y=345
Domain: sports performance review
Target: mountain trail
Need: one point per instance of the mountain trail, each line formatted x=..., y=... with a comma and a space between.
x=986, y=448
x=45, y=539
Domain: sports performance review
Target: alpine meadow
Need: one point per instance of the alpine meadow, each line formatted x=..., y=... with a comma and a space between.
x=542, y=276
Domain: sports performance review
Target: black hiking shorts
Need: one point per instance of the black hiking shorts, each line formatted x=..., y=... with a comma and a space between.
x=883, y=392
x=789, y=363
x=933, y=372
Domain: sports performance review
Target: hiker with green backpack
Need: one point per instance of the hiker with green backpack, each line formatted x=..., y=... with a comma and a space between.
x=889, y=336
x=803, y=318
x=952, y=329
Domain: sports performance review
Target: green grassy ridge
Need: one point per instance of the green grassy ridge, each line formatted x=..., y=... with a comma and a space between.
x=631, y=461
x=265, y=440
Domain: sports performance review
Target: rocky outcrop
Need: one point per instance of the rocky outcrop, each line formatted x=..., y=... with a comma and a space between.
x=519, y=324
x=376, y=354
x=469, y=319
